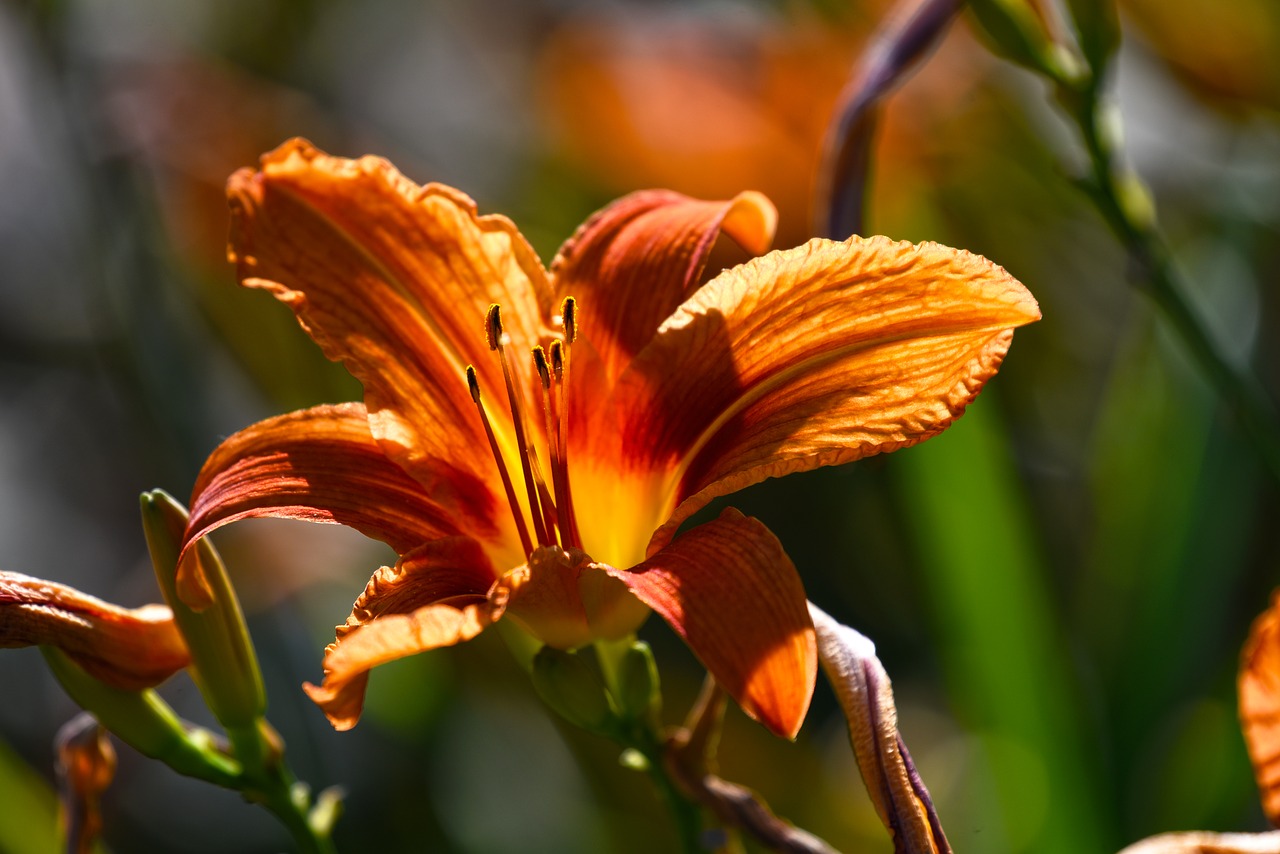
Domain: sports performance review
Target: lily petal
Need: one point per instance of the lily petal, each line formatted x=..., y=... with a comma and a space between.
x=393, y=280
x=813, y=356
x=347, y=663
x=435, y=596
x=632, y=263
x=1259, y=688
x=323, y=465
x=452, y=568
x=731, y=592
x=130, y=649
x=862, y=687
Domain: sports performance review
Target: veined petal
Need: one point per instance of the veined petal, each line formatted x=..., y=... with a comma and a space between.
x=323, y=465
x=439, y=594
x=865, y=695
x=731, y=592
x=812, y=356
x=452, y=569
x=130, y=649
x=632, y=263
x=1259, y=688
x=393, y=280
x=347, y=662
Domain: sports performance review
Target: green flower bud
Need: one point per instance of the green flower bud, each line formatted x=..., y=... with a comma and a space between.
x=639, y=694
x=223, y=662
x=567, y=684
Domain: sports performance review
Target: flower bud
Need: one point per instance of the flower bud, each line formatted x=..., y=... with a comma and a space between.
x=567, y=684
x=223, y=662
x=639, y=696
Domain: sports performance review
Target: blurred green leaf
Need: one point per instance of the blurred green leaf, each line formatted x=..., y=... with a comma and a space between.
x=999, y=635
x=28, y=808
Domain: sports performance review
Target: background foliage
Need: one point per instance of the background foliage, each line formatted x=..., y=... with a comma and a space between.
x=1059, y=586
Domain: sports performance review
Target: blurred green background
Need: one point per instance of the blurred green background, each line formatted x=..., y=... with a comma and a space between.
x=1059, y=586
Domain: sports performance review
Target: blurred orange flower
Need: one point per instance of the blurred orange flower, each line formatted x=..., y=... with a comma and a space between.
x=1260, y=705
x=530, y=441
x=704, y=106
x=1229, y=52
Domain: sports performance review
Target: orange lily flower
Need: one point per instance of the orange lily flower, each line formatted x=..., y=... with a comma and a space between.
x=530, y=440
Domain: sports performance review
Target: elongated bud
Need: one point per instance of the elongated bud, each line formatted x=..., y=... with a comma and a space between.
x=145, y=722
x=569, y=311
x=223, y=662
x=639, y=695
x=567, y=684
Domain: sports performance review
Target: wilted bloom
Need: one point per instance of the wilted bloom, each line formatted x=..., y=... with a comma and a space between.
x=125, y=648
x=863, y=690
x=530, y=441
x=86, y=767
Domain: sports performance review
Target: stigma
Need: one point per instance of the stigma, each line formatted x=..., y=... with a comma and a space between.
x=546, y=516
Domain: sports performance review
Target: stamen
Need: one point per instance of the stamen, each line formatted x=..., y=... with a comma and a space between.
x=560, y=369
x=473, y=383
x=493, y=326
x=557, y=359
x=549, y=515
x=497, y=339
x=540, y=365
x=554, y=446
x=569, y=315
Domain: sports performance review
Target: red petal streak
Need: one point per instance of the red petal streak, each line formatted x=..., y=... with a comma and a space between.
x=394, y=280
x=321, y=465
x=812, y=356
x=631, y=264
x=731, y=592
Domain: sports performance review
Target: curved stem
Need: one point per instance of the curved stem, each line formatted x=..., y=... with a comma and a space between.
x=290, y=805
x=1121, y=198
x=686, y=814
x=269, y=781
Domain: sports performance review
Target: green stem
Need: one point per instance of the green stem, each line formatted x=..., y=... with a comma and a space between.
x=1122, y=200
x=641, y=734
x=686, y=815
x=291, y=807
x=268, y=780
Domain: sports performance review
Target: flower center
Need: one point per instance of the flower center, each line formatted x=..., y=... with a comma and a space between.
x=550, y=508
